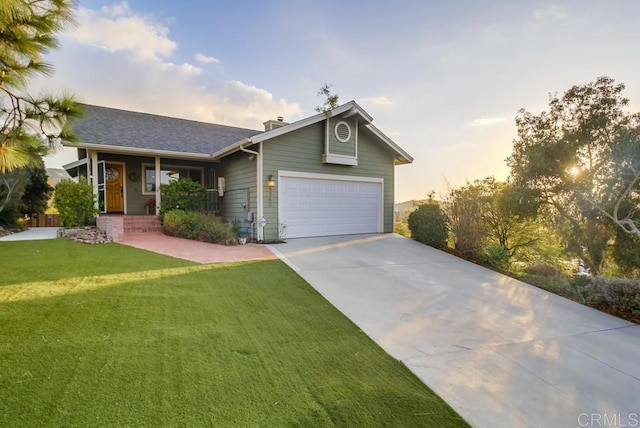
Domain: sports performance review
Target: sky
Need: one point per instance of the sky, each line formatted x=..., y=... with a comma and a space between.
x=443, y=79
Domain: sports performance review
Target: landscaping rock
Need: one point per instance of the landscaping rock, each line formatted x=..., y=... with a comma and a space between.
x=87, y=235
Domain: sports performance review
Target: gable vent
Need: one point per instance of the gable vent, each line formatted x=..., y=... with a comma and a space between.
x=342, y=132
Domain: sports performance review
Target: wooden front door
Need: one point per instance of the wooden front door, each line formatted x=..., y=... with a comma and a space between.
x=115, y=187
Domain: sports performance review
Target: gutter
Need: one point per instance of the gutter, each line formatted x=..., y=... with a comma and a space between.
x=141, y=152
x=259, y=191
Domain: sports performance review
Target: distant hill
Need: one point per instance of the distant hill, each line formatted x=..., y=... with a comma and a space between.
x=403, y=209
x=56, y=175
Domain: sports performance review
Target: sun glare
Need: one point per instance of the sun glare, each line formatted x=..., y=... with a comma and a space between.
x=574, y=171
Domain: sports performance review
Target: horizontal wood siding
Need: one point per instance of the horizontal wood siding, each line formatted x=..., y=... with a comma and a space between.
x=337, y=147
x=240, y=195
x=302, y=151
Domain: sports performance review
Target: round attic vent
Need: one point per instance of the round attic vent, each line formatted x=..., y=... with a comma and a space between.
x=342, y=131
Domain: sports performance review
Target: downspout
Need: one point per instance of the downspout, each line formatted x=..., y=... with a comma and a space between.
x=259, y=193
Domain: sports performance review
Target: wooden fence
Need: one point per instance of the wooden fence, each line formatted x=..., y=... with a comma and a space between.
x=44, y=220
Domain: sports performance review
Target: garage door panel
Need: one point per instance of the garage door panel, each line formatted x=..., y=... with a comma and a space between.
x=323, y=207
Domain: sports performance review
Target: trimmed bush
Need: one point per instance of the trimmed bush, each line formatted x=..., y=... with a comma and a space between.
x=183, y=194
x=620, y=296
x=197, y=226
x=75, y=202
x=428, y=225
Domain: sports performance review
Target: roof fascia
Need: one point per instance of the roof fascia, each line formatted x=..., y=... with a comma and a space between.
x=351, y=108
x=105, y=148
x=403, y=158
x=75, y=164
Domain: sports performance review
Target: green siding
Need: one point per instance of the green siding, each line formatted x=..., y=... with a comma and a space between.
x=302, y=151
x=240, y=196
x=337, y=147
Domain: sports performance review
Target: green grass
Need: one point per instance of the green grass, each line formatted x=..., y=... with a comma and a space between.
x=108, y=335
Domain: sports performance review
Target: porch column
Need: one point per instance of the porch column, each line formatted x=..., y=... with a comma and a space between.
x=93, y=176
x=158, y=183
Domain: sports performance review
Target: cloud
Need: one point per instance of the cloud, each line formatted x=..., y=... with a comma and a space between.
x=206, y=59
x=487, y=121
x=376, y=100
x=117, y=28
x=553, y=11
x=122, y=59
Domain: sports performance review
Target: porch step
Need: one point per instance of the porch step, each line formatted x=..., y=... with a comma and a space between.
x=141, y=224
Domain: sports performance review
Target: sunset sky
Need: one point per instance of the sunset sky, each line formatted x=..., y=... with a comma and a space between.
x=443, y=79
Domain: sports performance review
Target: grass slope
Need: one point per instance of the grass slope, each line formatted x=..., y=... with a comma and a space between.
x=113, y=336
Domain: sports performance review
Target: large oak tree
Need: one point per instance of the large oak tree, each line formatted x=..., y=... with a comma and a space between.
x=580, y=156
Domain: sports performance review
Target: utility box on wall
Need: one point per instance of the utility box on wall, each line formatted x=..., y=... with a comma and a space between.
x=221, y=186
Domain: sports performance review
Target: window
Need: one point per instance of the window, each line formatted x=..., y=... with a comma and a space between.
x=169, y=174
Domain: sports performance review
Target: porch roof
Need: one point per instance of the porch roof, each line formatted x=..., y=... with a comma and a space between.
x=133, y=132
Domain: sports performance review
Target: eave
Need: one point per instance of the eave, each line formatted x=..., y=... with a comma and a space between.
x=137, y=151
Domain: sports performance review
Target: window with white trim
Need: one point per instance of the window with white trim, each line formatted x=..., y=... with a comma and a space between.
x=169, y=173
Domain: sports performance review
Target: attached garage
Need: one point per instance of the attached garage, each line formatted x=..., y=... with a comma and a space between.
x=324, y=205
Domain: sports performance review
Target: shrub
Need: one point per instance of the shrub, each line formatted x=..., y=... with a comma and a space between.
x=197, y=226
x=183, y=194
x=495, y=255
x=9, y=216
x=428, y=225
x=620, y=296
x=75, y=202
x=548, y=278
x=542, y=269
x=400, y=227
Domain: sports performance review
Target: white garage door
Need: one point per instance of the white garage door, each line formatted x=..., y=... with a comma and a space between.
x=315, y=205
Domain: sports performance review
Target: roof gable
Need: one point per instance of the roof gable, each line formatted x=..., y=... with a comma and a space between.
x=346, y=110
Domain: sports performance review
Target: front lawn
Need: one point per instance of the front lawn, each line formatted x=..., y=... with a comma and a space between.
x=109, y=335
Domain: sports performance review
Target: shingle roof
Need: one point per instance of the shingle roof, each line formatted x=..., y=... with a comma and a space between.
x=121, y=128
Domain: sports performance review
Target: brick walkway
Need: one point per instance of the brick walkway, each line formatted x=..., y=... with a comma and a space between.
x=199, y=252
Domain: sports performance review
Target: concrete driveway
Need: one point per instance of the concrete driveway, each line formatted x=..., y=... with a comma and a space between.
x=33, y=234
x=500, y=352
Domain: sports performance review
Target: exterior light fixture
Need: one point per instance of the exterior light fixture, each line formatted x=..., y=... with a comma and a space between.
x=271, y=183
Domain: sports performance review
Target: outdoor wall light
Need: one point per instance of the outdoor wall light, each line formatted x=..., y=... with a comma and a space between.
x=271, y=183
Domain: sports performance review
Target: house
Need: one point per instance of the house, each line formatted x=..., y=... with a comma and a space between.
x=328, y=174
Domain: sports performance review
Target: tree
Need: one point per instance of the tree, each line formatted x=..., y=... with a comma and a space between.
x=623, y=205
x=330, y=102
x=509, y=214
x=12, y=185
x=489, y=212
x=37, y=193
x=428, y=225
x=463, y=208
x=568, y=156
x=27, y=29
